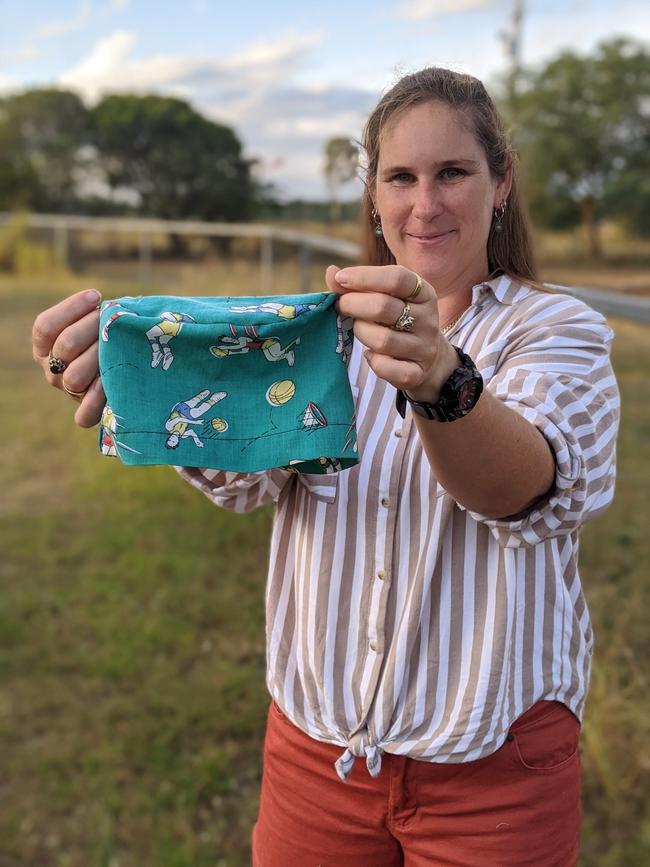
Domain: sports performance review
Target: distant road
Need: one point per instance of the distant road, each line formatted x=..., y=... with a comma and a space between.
x=611, y=303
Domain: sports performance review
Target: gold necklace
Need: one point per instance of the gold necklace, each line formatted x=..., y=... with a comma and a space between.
x=449, y=325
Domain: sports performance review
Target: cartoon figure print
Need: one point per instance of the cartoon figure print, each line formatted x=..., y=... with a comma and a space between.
x=345, y=336
x=189, y=412
x=283, y=311
x=113, y=318
x=118, y=313
x=235, y=344
x=107, y=429
x=160, y=335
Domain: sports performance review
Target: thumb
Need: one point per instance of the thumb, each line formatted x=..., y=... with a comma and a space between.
x=332, y=285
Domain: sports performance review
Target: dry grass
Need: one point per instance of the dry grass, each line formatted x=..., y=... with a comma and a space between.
x=132, y=700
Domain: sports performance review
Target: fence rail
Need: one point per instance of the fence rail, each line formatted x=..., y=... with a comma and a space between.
x=609, y=303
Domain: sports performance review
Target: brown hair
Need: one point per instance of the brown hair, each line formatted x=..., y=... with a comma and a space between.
x=510, y=250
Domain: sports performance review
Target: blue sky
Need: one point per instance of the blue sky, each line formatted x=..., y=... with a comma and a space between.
x=286, y=75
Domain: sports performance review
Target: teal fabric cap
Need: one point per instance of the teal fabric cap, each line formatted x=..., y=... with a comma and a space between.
x=239, y=384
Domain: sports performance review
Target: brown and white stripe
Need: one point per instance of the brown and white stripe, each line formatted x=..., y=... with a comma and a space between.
x=398, y=621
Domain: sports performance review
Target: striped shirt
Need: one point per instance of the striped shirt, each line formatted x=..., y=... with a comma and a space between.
x=397, y=620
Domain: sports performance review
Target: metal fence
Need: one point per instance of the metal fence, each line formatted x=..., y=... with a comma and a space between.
x=609, y=303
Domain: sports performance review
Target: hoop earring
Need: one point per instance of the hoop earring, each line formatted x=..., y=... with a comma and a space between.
x=379, y=232
x=499, y=213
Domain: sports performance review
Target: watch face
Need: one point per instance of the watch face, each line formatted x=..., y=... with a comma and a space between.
x=457, y=396
x=466, y=395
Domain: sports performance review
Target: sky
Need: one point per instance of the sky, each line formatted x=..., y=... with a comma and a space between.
x=286, y=75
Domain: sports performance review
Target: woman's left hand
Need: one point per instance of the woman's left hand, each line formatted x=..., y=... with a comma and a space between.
x=418, y=361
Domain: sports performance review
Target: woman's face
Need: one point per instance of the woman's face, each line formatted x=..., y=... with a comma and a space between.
x=435, y=196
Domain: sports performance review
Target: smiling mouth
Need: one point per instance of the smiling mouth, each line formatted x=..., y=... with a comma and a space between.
x=429, y=237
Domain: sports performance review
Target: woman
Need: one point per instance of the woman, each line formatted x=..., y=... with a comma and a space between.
x=428, y=639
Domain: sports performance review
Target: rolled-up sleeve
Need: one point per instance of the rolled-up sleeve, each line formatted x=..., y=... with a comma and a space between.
x=559, y=377
x=237, y=492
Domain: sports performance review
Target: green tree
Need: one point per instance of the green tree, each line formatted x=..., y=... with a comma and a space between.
x=583, y=128
x=42, y=136
x=341, y=162
x=179, y=164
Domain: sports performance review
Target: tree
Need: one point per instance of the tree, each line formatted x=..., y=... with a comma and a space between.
x=42, y=136
x=584, y=134
x=341, y=162
x=179, y=164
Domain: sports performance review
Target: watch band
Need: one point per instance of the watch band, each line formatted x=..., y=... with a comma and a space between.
x=458, y=395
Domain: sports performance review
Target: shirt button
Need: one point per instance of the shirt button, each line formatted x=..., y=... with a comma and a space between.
x=385, y=502
x=398, y=433
x=381, y=575
x=374, y=646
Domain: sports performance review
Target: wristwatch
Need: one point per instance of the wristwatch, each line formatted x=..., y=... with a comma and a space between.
x=458, y=395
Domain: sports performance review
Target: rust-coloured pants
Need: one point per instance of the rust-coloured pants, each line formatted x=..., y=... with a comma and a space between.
x=519, y=807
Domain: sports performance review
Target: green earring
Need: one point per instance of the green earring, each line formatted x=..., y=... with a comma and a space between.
x=498, y=216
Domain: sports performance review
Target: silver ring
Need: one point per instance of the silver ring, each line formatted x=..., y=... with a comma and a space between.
x=405, y=321
x=77, y=395
x=418, y=285
x=57, y=365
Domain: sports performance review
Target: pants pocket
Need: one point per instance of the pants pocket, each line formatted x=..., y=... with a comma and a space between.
x=545, y=739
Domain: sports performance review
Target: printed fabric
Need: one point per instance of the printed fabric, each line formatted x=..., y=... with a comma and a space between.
x=243, y=384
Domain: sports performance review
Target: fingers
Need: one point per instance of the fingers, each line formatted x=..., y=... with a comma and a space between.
x=69, y=330
x=330, y=280
x=80, y=374
x=374, y=307
x=406, y=374
x=385, y=341
x=51, y=322
x=394, y=280
x=90, y=408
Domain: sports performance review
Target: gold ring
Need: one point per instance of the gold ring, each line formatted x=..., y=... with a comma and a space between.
x=418, y=285
x=405, y=321
x=77, y=395
x=56, y=365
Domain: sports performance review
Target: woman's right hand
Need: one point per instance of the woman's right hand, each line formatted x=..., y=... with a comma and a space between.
x=69, y=331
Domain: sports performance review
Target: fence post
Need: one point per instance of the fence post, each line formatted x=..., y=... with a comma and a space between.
x=61, y=243
x=267, y=265
x=145, y=260
x=305, y=268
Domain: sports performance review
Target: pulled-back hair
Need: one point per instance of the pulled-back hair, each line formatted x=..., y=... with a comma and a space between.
x=510, y=250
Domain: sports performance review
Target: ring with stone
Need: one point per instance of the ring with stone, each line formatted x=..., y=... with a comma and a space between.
x=405, y=321
x=56, y=365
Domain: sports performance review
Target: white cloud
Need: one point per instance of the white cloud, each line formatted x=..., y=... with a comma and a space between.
x=263, y=53
x=253, y=90
x=418, y=10
x=21, y=54
x=118, y=5
x=110, y=68
x=60, y=26
x=545, y=36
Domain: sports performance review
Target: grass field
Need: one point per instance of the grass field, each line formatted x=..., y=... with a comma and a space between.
x=132, y=698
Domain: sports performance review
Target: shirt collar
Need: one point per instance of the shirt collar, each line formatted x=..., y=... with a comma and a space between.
x=504, y=288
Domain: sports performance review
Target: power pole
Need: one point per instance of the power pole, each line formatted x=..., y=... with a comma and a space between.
x=511, y=39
